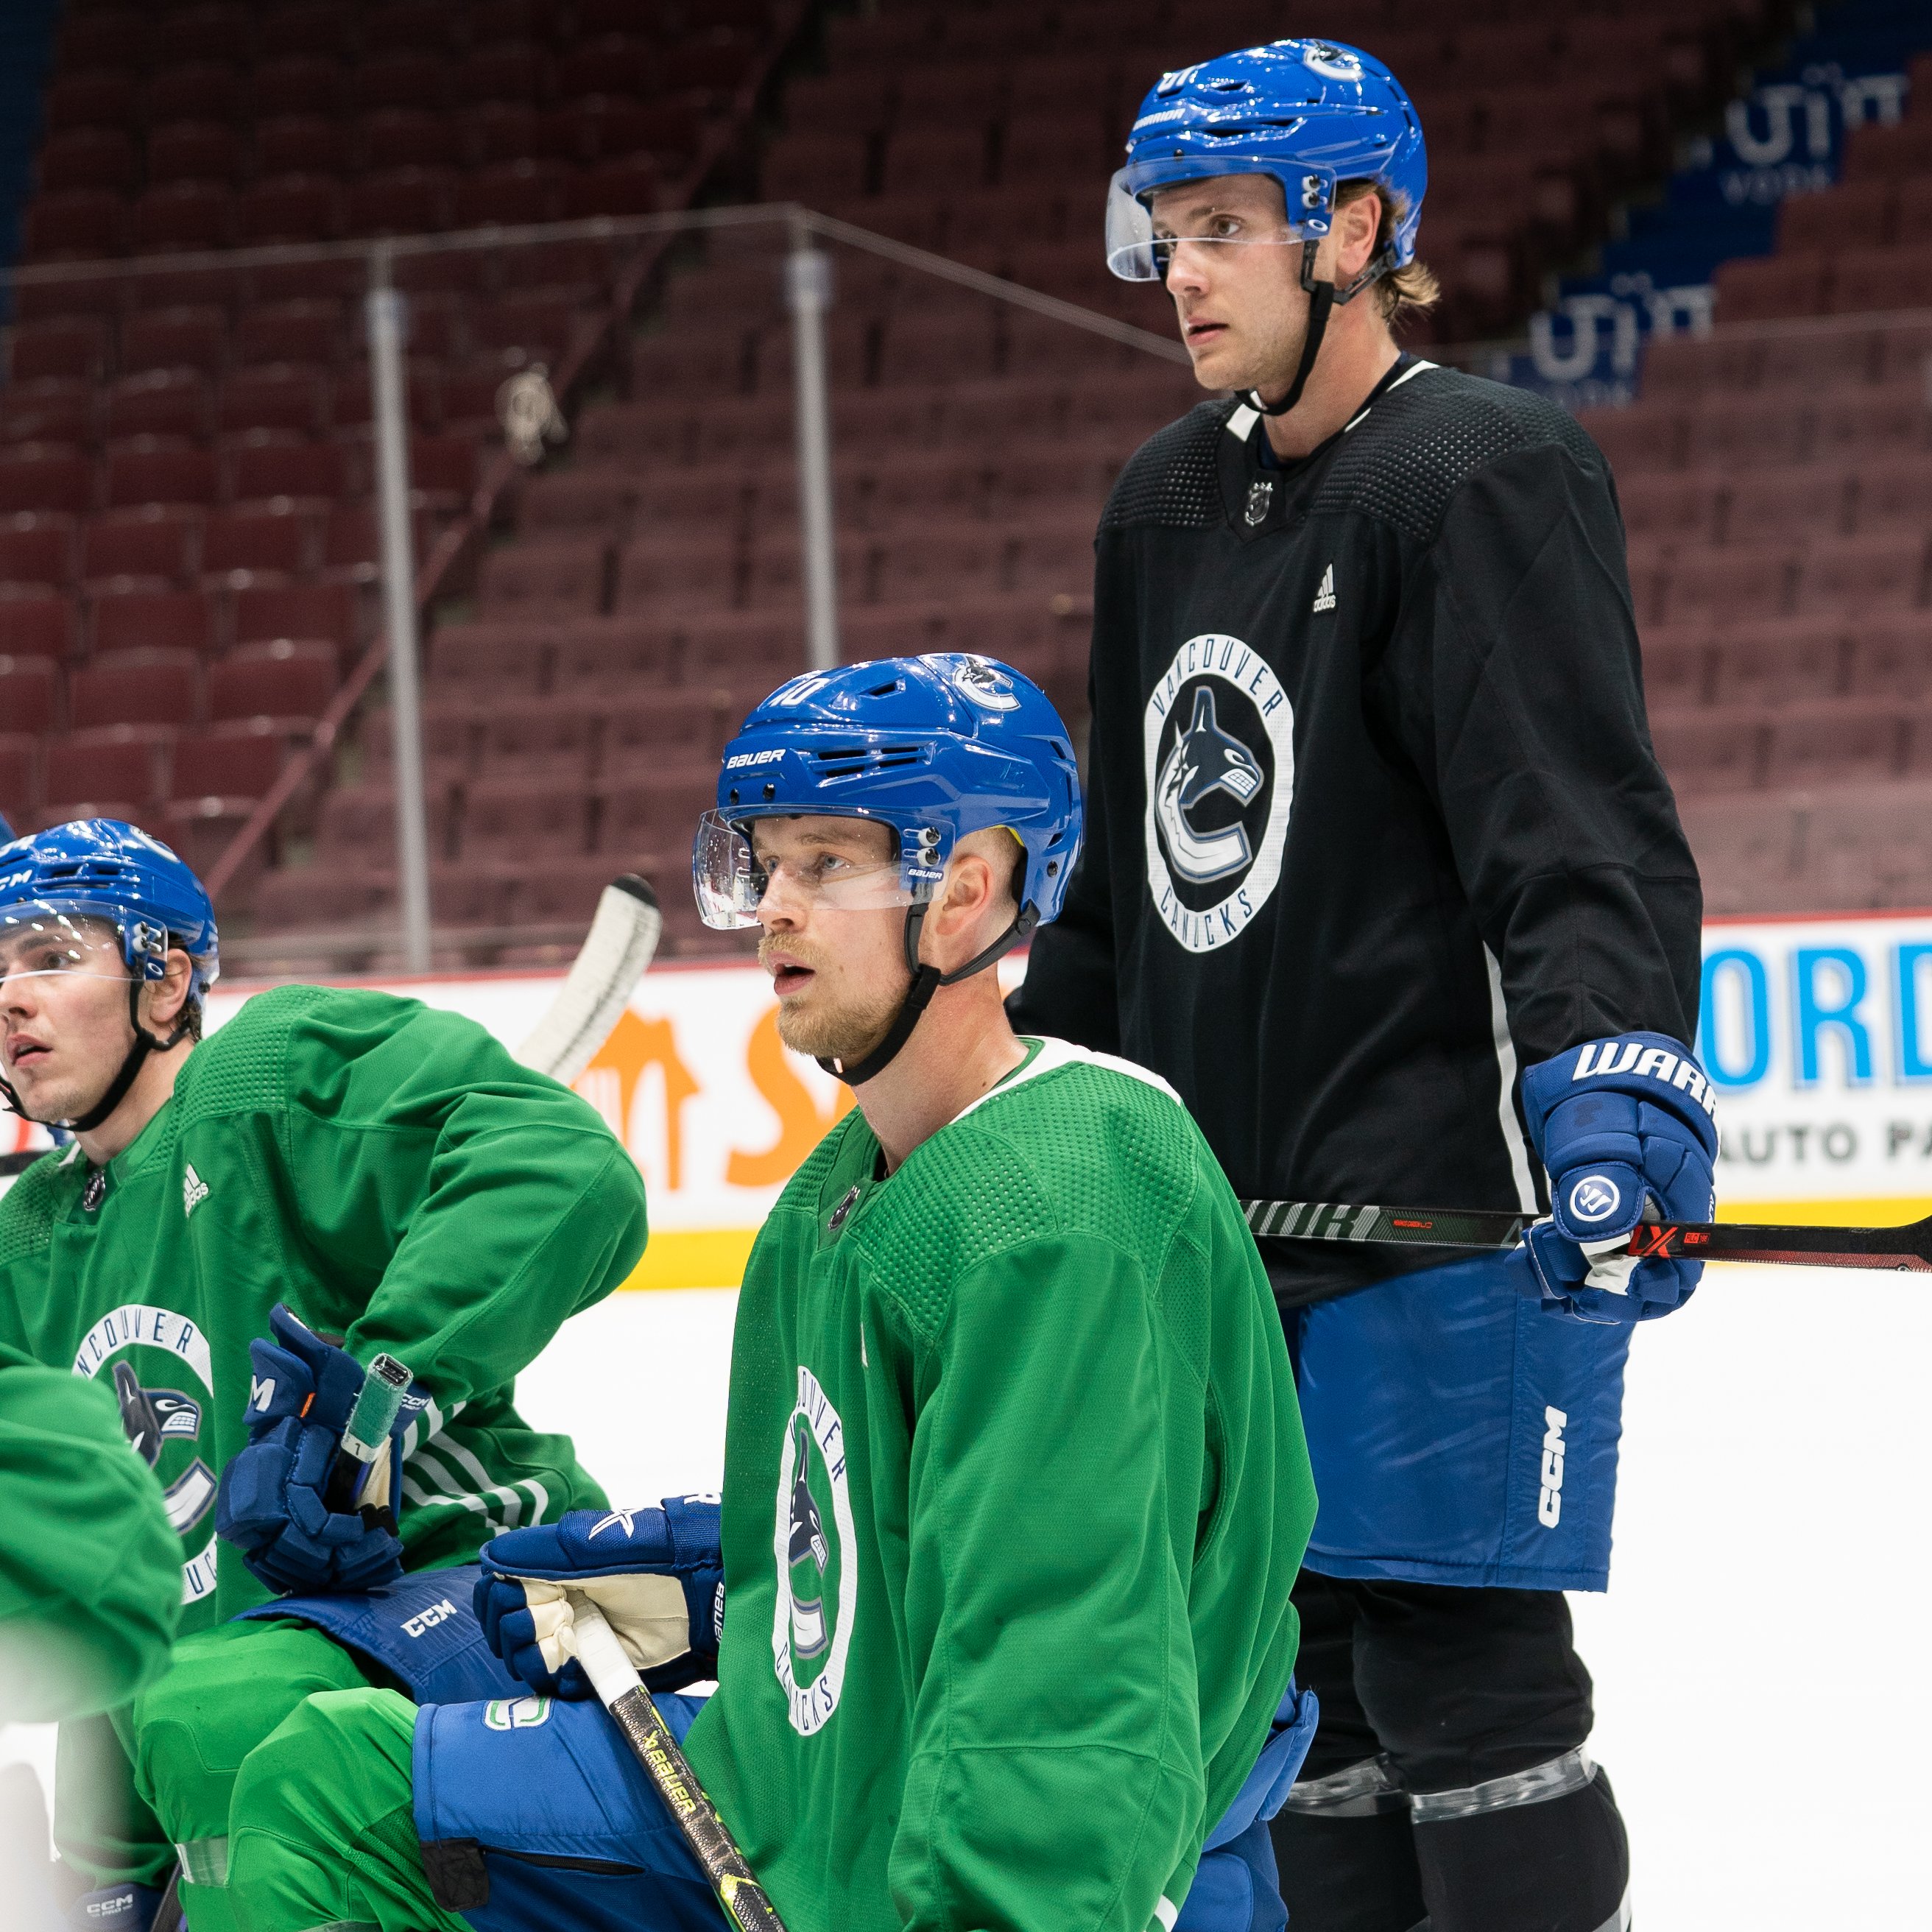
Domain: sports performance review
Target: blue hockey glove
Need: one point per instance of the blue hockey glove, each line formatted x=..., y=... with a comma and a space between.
x=657, y=1574
x=274, y=1505
x=1621, y=1125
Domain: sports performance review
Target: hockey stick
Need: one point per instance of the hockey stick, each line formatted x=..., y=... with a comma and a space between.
x=622, y=940
x=621, y=1692
x=1907, y=1247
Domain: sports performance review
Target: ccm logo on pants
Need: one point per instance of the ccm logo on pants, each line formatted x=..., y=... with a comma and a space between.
x=1549, y=1503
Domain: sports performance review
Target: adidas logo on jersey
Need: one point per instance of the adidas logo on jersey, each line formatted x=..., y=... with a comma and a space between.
x=194, y=1191
x=1325, y=597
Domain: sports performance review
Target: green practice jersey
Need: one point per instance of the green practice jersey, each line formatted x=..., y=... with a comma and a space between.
x=1014, y=1491
x=392, y=1174
x=90, y=1568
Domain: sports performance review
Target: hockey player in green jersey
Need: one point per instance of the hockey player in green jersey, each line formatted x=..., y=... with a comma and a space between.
x=90, y=1566
x=1014, y=1472
x=331, y=1163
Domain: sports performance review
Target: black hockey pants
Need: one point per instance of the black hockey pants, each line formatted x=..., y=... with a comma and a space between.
x=1447, y=1786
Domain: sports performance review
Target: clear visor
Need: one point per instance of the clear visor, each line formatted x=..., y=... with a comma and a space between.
x=40, y=941
x=1140, y=246
x=731, y=883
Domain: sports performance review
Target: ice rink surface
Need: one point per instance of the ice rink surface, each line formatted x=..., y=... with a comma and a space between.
x=1763, y=1679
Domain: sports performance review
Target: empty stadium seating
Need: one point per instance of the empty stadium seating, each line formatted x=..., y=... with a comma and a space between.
x=1776, y=476
x=187, y=556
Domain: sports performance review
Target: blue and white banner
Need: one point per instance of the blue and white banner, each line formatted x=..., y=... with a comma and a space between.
x=1817, y=1036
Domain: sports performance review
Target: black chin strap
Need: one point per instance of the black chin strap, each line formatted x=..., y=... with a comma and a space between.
x=1322, y=298
x=143, y=1043
x=926, y=981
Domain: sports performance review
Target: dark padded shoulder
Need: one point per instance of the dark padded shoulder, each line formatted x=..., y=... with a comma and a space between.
x=1423, y=439
x=1171, y=478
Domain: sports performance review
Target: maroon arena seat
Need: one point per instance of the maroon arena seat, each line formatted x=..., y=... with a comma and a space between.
x=1895, y=493
x=487, y=659
x=37, y=547
x=1726, y=585
x=1711, y=751
x=278, y=397
x=549, y=736
x=158, y=402
x=654, y=812
x=35, y=476
x=563, y=577
x=358, y=820
x=1768, y=506
x=183, y=216
x=54, y=411
x=1781, y=661
x=190, y=337
x=515, y=817
x=1851, y=741
x=272, y=539
x=157, y=619
x=613, y=656
x=1892, y=656
x=82, y=224
x=193, y=151
x=1760, y=286
x=20, y=775
x=35, y=624
x=1850, y=576
x=242, y=760
x=208, y=88
x=699, y=571
x=88, y=158
x=324, y=610
x=156, y=542
x=284, y=679
x=136, y=687
x=276, y=466
x=28, y=690
x=645, y=731
x=299, y=144
x=158, y=469
x=111, y=761
x=74, y=346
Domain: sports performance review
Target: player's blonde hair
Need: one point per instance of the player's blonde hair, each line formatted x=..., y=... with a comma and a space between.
x=1409, y=289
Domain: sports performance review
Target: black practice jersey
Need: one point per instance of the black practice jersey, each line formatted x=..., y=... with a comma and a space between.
x=1373, y=818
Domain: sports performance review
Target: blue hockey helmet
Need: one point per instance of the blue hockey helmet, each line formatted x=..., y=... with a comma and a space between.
x=1311, y=114
x=935, y=747
x=104, y=869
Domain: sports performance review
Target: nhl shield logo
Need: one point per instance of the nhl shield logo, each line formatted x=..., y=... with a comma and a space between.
x=1261, y=497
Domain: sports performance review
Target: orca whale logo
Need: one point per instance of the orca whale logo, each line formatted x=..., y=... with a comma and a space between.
x=152, y=1417
x=1205, y=760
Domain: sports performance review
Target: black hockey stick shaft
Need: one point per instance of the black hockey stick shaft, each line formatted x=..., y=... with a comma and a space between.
x=1908, y=1247
x=623, y=1694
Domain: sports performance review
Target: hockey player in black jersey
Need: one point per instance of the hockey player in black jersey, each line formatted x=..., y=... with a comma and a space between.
x=1382, y=874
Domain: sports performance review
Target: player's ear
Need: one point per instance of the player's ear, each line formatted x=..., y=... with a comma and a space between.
x=1357, y=224
x=167, y=997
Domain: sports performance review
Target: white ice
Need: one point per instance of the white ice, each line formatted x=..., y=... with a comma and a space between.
x=1762, y=1678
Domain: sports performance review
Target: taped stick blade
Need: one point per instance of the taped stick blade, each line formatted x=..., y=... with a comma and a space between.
x=622, y=942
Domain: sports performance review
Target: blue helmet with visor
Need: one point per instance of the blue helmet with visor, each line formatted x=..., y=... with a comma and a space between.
x=101, y=896
x=933, y=747
x=1308, y=114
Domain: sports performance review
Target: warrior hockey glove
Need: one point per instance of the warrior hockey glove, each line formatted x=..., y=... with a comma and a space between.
x=274, y=1505
x=657, y=1574
x=1623, y=1126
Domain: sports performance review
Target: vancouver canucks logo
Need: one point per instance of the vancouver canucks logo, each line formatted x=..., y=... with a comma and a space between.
x=818, y=1579
x=986, y=685
x=158, y=1365
x=1219, y=745
x=1206, y=759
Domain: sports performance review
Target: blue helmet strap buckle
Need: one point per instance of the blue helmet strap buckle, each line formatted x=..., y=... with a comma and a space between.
x=926, y=981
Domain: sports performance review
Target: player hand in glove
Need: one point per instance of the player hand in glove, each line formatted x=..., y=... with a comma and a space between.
x=275, y=1506
x=657, y=1574
x=1622, y=1125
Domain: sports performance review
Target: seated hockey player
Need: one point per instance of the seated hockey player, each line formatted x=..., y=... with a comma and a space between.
x=1015, y=1482
x=331, y=1162
x=90, y=1566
